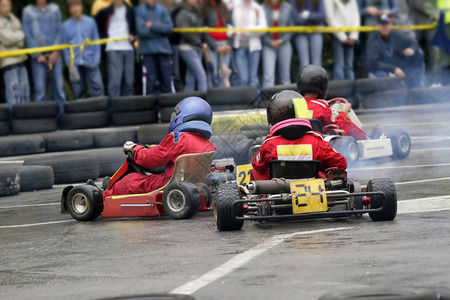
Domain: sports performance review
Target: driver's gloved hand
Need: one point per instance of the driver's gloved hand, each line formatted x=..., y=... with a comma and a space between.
x=128, y=146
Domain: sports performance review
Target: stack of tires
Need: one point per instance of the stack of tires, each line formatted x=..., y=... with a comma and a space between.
x=382, y=92
x=15, y=178
x=268, y=92
x=166, y=103
x=237, y=98
x=86, y=113
x=34, y=117
x=133, y=110
x=429, y=95
x=9, y=181
x=4, y=119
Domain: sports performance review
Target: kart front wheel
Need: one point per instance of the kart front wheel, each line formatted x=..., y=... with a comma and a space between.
x=389, y=206
x=84, y=203
x=348, y=147
x=181, y=200
x=227, y=193
x=401, y=144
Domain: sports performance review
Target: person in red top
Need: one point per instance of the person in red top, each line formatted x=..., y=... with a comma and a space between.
x=291, y=138
x=189, y=132
x=312, y=82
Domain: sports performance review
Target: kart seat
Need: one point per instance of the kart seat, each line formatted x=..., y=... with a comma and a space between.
x=315, y=125
x=294, y=169
x=192, y=167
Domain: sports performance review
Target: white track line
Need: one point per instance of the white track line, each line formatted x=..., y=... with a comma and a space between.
x=422, y=180
x=36, y=224
x=421, y=205
x=30, y=205
x=240, y=260
x=401, y=167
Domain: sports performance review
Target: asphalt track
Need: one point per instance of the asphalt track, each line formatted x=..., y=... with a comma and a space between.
x=46, y=255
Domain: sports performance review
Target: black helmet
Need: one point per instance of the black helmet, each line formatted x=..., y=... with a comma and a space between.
x=313, y=79
x=288, y=105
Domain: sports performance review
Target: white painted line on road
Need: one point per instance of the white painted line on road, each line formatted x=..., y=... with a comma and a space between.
x=30, y=205
x=421, y=205
x=35, y=224
x=430, y=149
x=241, y=259
x=422, y=180
x=401, y=167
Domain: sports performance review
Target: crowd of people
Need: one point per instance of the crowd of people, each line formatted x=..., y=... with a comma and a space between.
x=142, y=35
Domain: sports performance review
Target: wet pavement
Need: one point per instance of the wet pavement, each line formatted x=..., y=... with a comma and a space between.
x=46, y=255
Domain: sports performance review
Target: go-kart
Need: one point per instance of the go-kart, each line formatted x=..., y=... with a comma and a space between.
x=185, y=194
x=395, y=143
x=295, y=192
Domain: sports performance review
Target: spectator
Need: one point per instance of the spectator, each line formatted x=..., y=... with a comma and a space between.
x=343, y=13
x=277, y=46
x=101, y=4
x=391, y=52
x=216, y=15
x=42, y=26
x=117, y=21
x=444, y=59
x=14, y=70
x=191, y=45
x=371, y=10
x=309, y=45
x=249, y=15
x=84, y=69
x=153, y=27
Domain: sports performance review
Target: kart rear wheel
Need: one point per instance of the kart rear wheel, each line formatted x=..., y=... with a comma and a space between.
x=401, y=144
x=181, y=200
x=84, y=203
x=389, y=210
x=206, y=192
x=347, y=146
x=226, y=194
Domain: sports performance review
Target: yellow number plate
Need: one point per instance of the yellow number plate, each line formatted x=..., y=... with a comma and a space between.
x=308, y=196
x=243, y=174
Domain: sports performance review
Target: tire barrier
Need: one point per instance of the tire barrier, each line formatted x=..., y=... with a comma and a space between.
x=84, y=120
x=152, y=134
x=4, y=119
x=34, y=178
x=20, y=145
x=68, y=141
x=133, y=110
x=113, y=137
x=34, y=117
x=9, y=181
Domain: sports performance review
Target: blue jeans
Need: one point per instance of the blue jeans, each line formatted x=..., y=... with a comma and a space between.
x=270, y=57
x=195, y=73
x=216, y=61
x=309, y=48
x=247, y=66
x=343, y=60
x=90, y=76
x=40, y=76
x=120, y=73
x=17, y=86
x=159, y=67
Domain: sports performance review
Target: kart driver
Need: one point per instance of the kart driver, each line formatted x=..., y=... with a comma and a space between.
x=189, y=132
x=312, y=82
x=291, y=138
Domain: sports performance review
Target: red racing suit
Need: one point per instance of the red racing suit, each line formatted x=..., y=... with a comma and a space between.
x=315, y=148
x=156, y=156
x=321, y=111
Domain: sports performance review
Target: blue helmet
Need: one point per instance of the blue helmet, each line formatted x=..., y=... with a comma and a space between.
x=190, y=109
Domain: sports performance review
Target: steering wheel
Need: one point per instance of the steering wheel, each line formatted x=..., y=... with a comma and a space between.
x=141, y=169
x=336, y=107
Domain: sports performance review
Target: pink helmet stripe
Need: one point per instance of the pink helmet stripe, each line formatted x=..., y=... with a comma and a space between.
x=290, y=122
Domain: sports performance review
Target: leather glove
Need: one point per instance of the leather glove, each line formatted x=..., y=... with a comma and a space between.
x=128, y=146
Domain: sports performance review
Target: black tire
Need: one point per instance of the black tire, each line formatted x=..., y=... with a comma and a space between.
x=238, y=95
x=181, y=200
x=35, y=110
x=165, y=114
x=134, y=117
x=401, y=143
x=206, y=192
x=171, y=100
x=85, y=120
x=9, y=181
x=4, y=127
x=225, y=196
x=268, y=92
x=87, y=105
x=68, y=168
x=109, y=161
x=225, y=107
x=132, y=103
x=385, y=98
x=68, y=141
x=4, y=112
x=383, y=293
x=20, y=145
x=427, y=95
x=341, y=88
x=84, y=203
x=35, y=178
x=113, y=137
x=26, y=126
x=374, y=85
x=389, y=210
x=346, y=145
x=152, y=134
